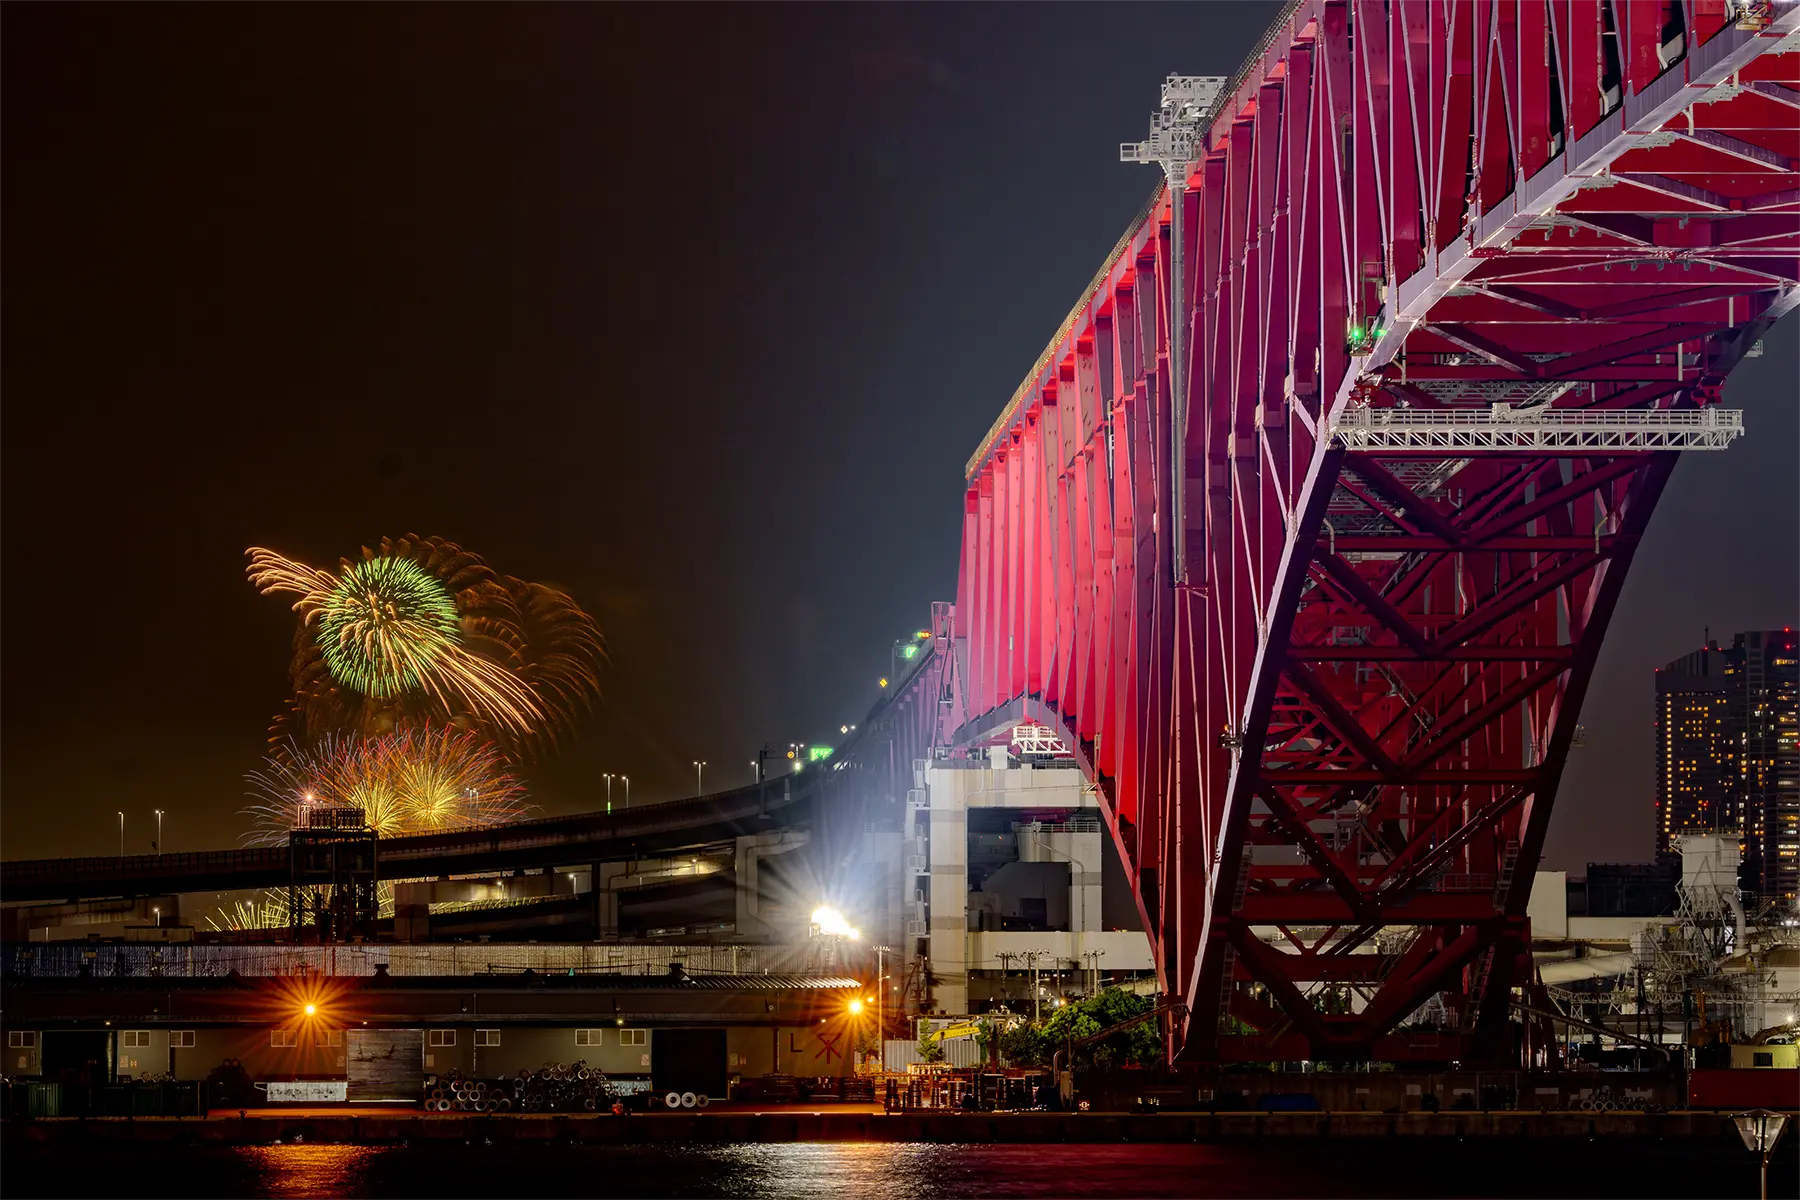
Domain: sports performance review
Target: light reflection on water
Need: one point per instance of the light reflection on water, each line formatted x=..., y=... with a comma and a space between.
x=310, y=1171
x=758, y=1171
x=884, y=1171
x=891, y=1171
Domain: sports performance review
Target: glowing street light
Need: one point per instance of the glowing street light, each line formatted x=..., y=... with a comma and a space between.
x=856, y=1007
x=829, y=922
x=699, y=776
x=626, y=780
x=121, y=835
x=159, y=817
x=609, y=780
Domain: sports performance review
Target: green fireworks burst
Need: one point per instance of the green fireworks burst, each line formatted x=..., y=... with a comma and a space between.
x=384, y=625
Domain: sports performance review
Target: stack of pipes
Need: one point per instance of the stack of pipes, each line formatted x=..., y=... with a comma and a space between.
x=556, y=1087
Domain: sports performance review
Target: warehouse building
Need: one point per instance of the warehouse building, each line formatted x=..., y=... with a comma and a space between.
x=383, y=1035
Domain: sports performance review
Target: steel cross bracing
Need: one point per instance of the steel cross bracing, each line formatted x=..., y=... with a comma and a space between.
x=1328, y=752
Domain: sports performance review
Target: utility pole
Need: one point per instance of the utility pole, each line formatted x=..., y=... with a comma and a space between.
x=1176, y=132
x=1031, y=959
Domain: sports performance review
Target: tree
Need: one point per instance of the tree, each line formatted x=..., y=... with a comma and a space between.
x=1141, y=1045
x=1023, y=1045
x=931, y=1049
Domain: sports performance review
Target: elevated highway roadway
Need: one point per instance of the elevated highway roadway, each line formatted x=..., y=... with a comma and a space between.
x=828, y=801
x=550, y=841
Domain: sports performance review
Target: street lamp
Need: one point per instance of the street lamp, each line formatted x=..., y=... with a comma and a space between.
x=881, y=1004
x=609, y=780
x=1760, y=1131
x=159, y=817
x=699, y=776
x=121, y=835
x=626, y=780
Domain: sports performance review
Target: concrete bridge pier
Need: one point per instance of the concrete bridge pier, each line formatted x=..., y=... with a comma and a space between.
x=751, y=850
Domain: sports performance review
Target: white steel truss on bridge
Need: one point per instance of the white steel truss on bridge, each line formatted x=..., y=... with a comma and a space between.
x=1501, y=428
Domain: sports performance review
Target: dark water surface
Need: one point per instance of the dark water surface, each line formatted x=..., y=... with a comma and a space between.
x=883, y=1171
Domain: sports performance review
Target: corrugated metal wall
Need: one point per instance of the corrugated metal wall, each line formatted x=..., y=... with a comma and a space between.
x=958, y=1052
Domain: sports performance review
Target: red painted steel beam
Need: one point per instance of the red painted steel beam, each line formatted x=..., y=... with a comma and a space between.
x=1338, y=737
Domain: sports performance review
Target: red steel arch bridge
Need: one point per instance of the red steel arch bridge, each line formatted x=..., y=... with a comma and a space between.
x=1305, y=529
x=1307, y=525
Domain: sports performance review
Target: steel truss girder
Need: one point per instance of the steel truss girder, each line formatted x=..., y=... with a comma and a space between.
x=1349, y=718
x=1603, y=432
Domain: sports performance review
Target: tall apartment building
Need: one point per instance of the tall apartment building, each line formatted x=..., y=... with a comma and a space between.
x=1728, y=753
x=1696, y=762
x=1764, y=666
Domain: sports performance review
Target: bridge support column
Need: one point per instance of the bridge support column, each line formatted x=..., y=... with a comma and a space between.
x=949, y=896
x=412, y=912
x=606, y=897
x=751, y=851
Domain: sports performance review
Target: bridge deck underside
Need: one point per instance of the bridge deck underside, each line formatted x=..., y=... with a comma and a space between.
x=1329, y=744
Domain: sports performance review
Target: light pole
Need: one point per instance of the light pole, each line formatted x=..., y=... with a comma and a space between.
x=755, y=771
x=699, y=777
x=626, y=780
x=609, y=780
x=121, y=835
x=1760, y=1130
x=159, y=817
x=881, y=1005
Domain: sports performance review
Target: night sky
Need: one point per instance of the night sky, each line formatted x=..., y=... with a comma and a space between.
x=696, y=312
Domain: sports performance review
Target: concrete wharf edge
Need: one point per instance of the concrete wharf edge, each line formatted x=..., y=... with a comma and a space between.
x=262, y=1127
